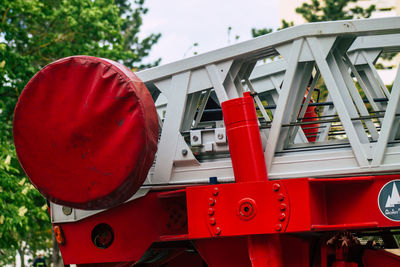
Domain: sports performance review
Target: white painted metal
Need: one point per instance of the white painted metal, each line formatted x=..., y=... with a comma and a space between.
x=303, y=50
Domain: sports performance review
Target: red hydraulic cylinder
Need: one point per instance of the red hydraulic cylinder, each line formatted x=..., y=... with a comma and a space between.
x=244, y=139
x=248, y=164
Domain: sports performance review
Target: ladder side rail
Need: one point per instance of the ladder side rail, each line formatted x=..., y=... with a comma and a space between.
x=260, y=44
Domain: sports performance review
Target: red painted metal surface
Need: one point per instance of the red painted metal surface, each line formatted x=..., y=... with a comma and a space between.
x=381, y=258
x=93, y=124
x=244, y=139
x=211, y=216
x=136, y=225
x=224, y=251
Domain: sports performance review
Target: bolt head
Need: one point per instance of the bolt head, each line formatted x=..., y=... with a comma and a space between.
x=282, y=206
x=195, y=138
x=281, y=197
x=211, y=211
x=220, y=136
x=184, y=152
x=217, y=231
x=211, y=201
x=278, y=227
x=212, y=221
x=215, y=191
x=246, y=209
x=282, y=217
x=275, y=187
x=66, y=210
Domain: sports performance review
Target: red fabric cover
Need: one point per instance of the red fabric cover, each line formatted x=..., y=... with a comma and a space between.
x=85, y=131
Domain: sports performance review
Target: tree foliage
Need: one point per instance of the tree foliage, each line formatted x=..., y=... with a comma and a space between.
x=259, y=32
x=327, y=10
x=33, y=34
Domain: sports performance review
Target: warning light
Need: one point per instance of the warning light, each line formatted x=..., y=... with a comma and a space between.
x=58, y=233
x=102, y=235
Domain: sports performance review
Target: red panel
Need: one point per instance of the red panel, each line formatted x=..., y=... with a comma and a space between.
x=373, y=258
x=220, y=210
x=224, y=251
x=298, y=248
x=303, y=205
x=136, y=226
x=93, y=125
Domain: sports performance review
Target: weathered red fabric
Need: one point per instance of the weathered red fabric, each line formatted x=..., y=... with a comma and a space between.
x=85, y=131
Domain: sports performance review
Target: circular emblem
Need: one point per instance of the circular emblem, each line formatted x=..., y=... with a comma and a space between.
x=389, y=200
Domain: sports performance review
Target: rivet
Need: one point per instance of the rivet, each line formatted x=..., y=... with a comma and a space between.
x=220, y=136
x=211, y=201
x=275, y=187
x=281, y=197
x=211, y=211
x=212, y=221
x=217, y=231
x=184, y=152
x=195, y=138
x=67, y=210
x=282, y=207
x=278, y=227
x=215, y=191
x=282, y=217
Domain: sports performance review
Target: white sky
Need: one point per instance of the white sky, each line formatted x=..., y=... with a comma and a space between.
x=185, y=22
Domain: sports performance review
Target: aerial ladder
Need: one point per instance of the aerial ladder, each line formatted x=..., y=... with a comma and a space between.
x=283, y=150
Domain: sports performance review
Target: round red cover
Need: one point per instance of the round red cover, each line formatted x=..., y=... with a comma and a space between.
x=85, y=132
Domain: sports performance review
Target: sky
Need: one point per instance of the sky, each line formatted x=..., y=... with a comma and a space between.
x=185, y=22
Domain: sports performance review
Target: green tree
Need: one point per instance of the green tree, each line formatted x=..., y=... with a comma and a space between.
x=33, y=34
x=258, y=32
x=326, y=10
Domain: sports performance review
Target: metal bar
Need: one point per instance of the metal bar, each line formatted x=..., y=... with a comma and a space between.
x=170, y=132
x=283, y=100
x=342, y=107
x=201, y=108
x=388, y=122
x=217, y=82
x=258, y=101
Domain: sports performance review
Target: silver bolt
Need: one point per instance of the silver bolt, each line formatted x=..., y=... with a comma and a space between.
x=67, y=210
x=220, y=136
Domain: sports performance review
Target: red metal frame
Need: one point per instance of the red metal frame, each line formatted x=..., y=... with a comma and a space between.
x=249, y=223
x=211, y=216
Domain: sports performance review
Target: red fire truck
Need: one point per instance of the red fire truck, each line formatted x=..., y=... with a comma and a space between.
x=283, y=150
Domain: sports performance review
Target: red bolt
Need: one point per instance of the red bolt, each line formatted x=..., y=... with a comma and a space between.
x=215, y=191
x=278, y=227
x=282, y=207
x=275, y=187
x=211, y=201
x=281, y=197
x=211, y=211
x=213, y=221
x=282, y=217
x=217, y=231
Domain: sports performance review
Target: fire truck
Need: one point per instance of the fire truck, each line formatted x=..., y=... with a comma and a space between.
x=283, y=150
